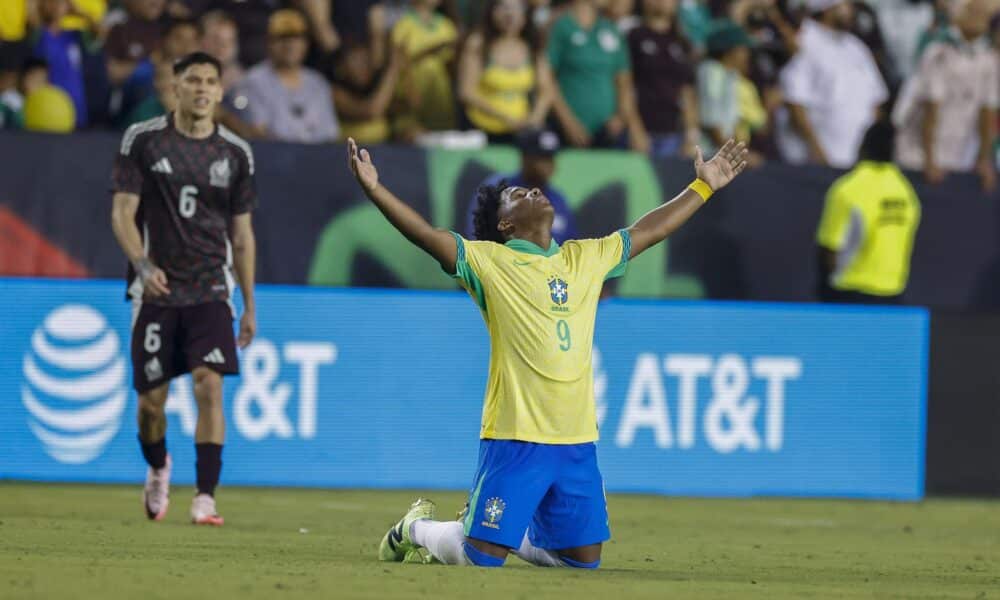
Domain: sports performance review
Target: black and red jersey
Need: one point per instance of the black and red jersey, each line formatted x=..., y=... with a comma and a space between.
x=189, y=191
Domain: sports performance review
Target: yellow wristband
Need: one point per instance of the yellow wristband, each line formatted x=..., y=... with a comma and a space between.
x=702, y=189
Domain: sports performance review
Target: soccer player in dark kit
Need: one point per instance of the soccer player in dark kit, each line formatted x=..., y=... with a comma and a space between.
x=183, y=194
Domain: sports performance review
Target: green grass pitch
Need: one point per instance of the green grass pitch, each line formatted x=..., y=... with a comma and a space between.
x=74, y=541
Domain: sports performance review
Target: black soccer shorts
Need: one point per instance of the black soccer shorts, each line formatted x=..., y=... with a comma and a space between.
x=169, y=341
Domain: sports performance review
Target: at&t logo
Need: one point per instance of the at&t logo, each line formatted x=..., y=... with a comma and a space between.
x=73, y=388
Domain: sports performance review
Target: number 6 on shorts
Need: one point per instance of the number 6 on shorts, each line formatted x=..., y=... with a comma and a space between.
x=152, y=342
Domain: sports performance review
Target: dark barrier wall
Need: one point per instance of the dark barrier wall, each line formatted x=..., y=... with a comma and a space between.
x=754, y=241
x=963, y=432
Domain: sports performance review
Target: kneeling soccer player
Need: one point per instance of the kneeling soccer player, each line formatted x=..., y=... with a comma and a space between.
x=538, y=490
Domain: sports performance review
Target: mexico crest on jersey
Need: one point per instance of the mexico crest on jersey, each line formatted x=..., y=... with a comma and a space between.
x=219, y=173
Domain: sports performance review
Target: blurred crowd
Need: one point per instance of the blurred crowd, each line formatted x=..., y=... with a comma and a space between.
x=801, y=80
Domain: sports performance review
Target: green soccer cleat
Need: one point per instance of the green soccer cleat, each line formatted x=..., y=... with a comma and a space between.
x=417, y=556
x=397, y=543
x=420, y=556
x=414, y=555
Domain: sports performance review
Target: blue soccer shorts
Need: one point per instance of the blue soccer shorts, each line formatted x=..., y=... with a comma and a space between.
x=554, y=492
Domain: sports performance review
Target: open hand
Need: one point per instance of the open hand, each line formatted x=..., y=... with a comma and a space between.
x=727, y=163
x=362, y=167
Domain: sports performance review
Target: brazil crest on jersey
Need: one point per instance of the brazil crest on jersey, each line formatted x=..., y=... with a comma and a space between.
x=540, y=306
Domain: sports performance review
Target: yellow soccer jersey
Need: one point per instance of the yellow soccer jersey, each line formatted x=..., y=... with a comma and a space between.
x=540, y=307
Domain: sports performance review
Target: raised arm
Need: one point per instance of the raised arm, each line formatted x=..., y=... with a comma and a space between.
x=437, y=242
x=654, y=227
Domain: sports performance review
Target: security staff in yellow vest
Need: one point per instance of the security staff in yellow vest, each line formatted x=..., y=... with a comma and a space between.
x=866, y=233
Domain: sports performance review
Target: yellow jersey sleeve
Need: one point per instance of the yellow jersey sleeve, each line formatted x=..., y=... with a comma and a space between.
x=473, y=263
x=609, y=255
x=836, y=217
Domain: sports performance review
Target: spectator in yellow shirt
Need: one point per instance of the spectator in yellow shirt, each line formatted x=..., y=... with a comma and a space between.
x=502, y=82
x=428, y=38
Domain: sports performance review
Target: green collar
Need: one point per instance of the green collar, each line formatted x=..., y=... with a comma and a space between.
x=531, y=248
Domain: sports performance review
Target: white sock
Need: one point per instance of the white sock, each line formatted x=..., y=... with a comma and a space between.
x=538, y=556
x=443, y=539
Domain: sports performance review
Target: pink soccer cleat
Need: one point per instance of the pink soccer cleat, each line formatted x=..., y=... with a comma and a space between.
x=203, y=511
x=156, y=492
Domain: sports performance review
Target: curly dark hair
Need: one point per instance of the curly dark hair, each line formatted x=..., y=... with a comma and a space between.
x=486, y=217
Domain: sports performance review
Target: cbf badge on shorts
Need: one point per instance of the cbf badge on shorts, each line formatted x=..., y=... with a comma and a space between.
x=494, y=512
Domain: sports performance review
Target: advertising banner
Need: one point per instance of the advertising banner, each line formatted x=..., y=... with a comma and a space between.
x=377, y=388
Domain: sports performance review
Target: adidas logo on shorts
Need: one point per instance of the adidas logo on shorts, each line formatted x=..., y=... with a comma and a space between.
x=215, y=357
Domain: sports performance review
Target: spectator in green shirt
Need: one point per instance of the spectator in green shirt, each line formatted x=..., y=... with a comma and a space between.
x=595, y=103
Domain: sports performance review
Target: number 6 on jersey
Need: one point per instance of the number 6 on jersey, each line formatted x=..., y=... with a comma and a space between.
x=189, y=201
